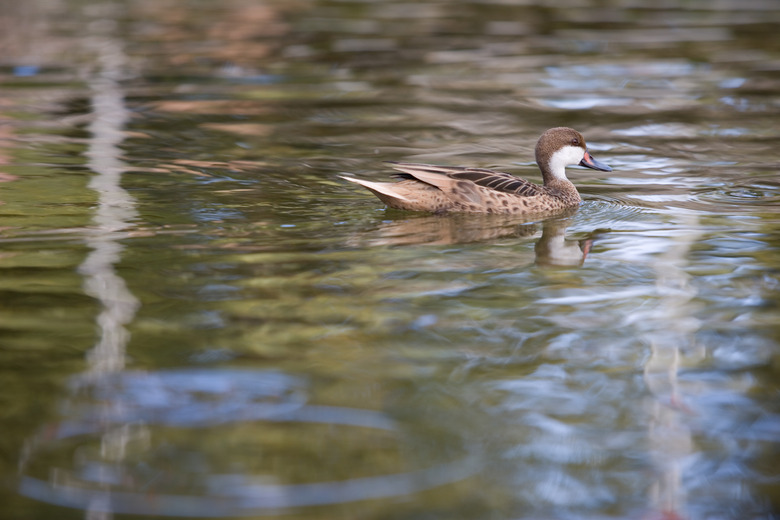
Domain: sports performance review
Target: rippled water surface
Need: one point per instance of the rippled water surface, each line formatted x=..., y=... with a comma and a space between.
x=200, y=318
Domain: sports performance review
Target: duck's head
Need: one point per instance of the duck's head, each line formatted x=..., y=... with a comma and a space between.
x=560, y=147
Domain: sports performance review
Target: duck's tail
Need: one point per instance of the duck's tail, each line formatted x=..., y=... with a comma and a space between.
x=386, y=191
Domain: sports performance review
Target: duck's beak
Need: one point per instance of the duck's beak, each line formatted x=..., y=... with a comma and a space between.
x=589, y=162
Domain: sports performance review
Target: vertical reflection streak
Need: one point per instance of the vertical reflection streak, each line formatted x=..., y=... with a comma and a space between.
x=114, y=214
x=672, y=328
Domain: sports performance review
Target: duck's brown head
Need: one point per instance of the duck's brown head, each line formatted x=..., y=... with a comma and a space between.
x=560, y=147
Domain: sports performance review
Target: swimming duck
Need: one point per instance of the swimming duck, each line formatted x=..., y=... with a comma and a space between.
x=442, y=189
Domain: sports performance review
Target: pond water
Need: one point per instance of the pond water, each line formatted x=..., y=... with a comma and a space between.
x=199, y=318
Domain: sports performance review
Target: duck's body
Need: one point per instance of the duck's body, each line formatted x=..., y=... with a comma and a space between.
x=441, y=189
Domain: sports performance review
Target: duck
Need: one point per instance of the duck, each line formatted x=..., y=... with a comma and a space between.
x=443, y=189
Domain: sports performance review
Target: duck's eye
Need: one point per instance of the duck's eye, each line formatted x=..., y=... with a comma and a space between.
x=575, y=142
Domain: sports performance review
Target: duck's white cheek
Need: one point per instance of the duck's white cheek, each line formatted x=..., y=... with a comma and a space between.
x=564, y=157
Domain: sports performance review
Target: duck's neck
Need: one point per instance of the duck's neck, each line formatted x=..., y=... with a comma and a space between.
x=560, y=187
x=553, y=165
x=550, y=175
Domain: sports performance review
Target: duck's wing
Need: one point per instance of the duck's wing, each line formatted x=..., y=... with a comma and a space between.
x=459, y=191
x=415, y=168
x=498, y=181
x=491, y=179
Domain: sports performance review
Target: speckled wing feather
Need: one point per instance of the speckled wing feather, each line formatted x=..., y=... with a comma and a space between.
x=498, y=181
x=491, y=179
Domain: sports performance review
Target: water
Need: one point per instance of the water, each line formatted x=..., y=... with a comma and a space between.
x=199, y=318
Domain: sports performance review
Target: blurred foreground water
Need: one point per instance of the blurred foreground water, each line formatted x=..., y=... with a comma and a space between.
x=198, y=318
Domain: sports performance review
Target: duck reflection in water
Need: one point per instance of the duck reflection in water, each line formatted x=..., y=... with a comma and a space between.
x=552, y=249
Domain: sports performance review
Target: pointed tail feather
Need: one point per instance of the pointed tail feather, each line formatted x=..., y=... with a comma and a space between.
x=384, y=190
